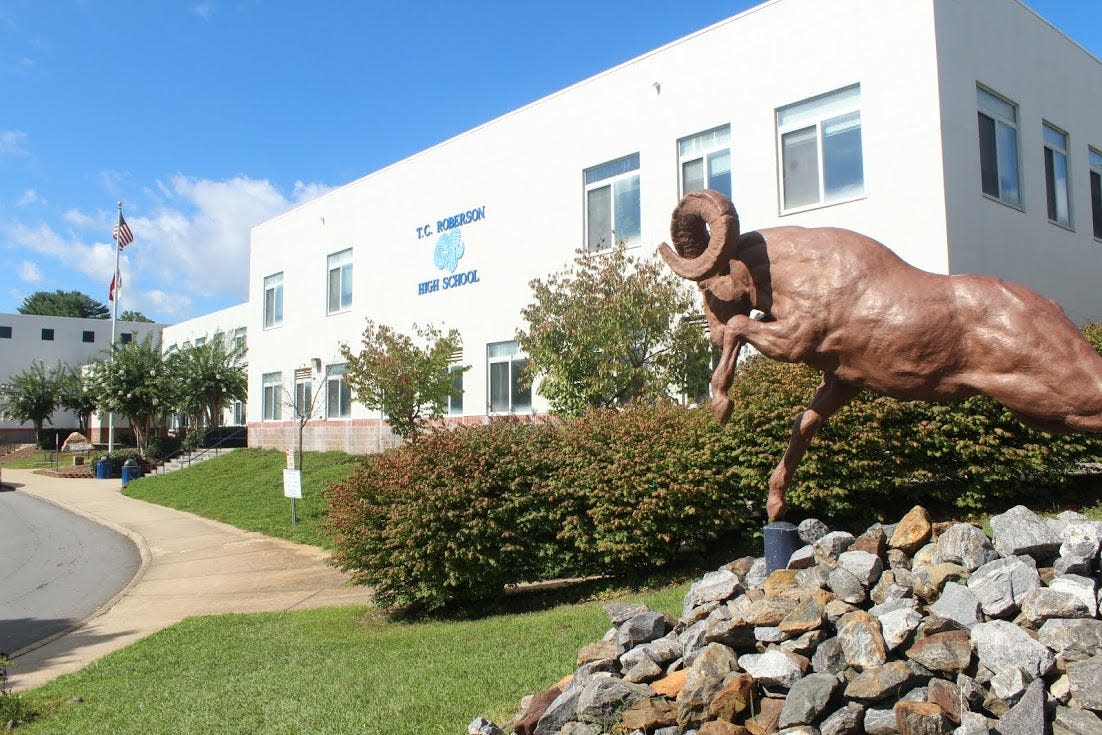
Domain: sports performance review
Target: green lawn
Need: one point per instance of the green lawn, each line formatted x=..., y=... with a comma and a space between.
x=245, y=489
x=339, y=670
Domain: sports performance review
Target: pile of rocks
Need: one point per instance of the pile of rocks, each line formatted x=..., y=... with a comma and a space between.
x=911, y=628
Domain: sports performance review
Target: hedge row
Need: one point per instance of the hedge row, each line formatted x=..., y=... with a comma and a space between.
x=457, y=516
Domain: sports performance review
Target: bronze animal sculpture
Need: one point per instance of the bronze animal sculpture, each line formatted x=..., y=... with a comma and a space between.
x=850, y=307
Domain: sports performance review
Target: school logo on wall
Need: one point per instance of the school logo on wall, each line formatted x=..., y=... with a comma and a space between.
x=449, y=250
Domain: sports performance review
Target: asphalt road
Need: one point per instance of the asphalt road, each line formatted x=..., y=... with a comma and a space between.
x=56, y=569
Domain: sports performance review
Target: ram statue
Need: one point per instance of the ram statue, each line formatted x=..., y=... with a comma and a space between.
x=854, y=310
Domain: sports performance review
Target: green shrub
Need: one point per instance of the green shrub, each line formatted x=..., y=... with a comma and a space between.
x=119, y=456
x=449, y=519
x=454, y=518
x=160, y=447
x=194, y=440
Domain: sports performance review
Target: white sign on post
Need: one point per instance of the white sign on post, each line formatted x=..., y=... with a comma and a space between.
x=292, y=483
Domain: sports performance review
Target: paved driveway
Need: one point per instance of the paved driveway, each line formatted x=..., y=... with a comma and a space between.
x=189, y=566
x=56, y=569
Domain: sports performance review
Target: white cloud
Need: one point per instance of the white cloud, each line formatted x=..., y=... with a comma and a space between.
x=204, y=9
x=29, y=272
x=30, y=196
x=11, y=143
x=193, y=247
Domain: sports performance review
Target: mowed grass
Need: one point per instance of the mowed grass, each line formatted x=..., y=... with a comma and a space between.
x=337, y=670
x=245, y=489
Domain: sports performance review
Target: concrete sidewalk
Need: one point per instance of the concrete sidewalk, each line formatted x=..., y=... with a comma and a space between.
x=190, y=566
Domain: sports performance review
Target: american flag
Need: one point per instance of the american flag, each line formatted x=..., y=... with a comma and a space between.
x=122, y=233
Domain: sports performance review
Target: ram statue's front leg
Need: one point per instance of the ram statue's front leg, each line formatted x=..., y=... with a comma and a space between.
x=724, y=373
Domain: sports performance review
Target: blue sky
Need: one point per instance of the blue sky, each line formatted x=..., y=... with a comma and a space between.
x=207, y=118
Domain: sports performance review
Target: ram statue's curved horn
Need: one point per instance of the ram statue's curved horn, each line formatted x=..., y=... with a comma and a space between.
x=702, y=224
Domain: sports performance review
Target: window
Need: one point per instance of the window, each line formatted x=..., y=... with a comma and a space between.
x=272, y=395
x=998, y=120
x=1056, y=175
x=200, y=341
x=5, y=332
x=238, y=413
x=455, y=400
x=338, y=396
x=820, y=144
x=304, y=394
x=340, y=281
x=507, y=393
x=47, y=335
x=273, y=300
x=239, y=338
x=1096, y=196
x=126, y=337
x=706, y=161
x=87, y=336
x=612, y=208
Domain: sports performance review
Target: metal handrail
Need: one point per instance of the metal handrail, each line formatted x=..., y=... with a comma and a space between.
x=192, y=456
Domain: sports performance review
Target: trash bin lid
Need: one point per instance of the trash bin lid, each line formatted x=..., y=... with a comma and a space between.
x=130, y=463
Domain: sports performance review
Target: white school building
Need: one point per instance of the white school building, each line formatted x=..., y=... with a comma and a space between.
x=966, y=135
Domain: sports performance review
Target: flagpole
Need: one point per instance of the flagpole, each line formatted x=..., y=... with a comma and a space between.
x=114, y=317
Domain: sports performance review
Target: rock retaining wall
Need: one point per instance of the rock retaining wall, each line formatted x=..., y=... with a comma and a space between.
x=910, y=628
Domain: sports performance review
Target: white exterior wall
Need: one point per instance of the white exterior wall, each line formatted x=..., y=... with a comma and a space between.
x=68, y=346
x=526, y=169
x=920, y=161
x=1006, y=48
x=225, y=321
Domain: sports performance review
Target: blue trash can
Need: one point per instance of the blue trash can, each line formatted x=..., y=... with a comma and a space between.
x=103, y=468
x=130, y=471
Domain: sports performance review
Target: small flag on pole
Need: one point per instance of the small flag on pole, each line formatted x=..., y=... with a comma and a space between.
x=115, y=287
x=122, y=233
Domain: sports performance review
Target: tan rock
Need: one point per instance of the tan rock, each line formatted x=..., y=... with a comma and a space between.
x=779, y=581
x=649, y=714
x=765, y=721
x=913, y=531
x=948, y=652
x=670, y=686
x=734, y=698
x=719, y=727
x=770, y=611
x=944, y=572
x=807, y=615
x=920, y=718
x=874, y=541
x=600, y=651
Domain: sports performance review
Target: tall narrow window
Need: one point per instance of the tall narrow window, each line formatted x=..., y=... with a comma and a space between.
x=820, y=148
x=304, y=393
x=1096, y=191
x=612, y=205
x=338, y=396
x=706, y=161
x=508, y=394
x=340, y=281
x=272, y=396
x=238, y=413
x=1056, y=175
x=239, y=338
x=455, y=400
x=273, y=300
x=998, y=123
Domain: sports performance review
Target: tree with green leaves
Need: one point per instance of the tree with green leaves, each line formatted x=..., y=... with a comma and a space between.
x=136, y=382
x=74, y=395
x=134, y=316
x=64, y=303
x=209, y=378
x=31, y=396
x=610, y=328
x=408, y=380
